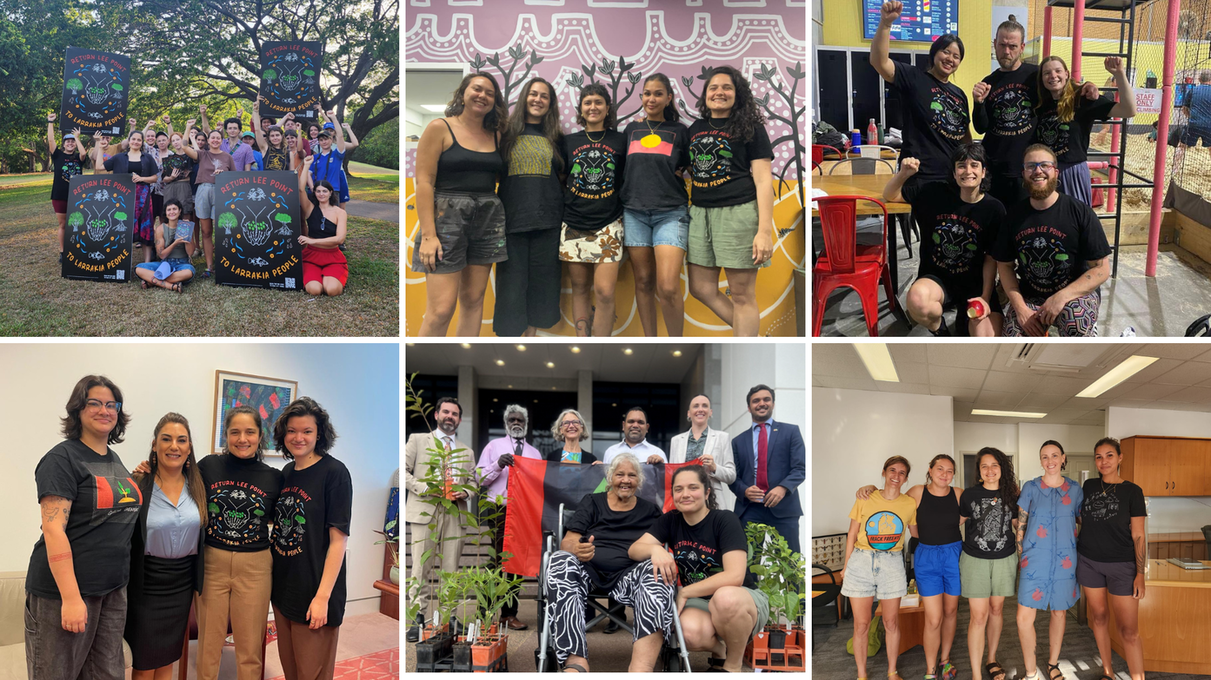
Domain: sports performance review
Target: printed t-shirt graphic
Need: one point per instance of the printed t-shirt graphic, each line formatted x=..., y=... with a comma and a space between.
x=699, y=549
x=1007, y=117
x=956, y=235
x=936, y=121
x=659, y=142
x=1051, y=247
x=236, y=514
x=721, y=163
x=531, y=155
x=240, y=497
x=989, y=534
x=291, y=521
x=592, y=171
x=884, y=524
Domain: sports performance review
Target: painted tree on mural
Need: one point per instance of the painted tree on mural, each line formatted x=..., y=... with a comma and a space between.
x=769, y=75
x=606, y=68
x=510, y=83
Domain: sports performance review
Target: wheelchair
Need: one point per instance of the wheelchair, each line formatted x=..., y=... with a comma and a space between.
x=671, y=659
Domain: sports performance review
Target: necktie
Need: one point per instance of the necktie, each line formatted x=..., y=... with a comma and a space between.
x=517, y=449
x=448, y=473
x=762, y=447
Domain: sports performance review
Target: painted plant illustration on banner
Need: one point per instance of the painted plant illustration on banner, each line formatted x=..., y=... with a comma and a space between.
x=257, y=230
x=95, y=91
x=580, y=42
x=290, y=81
x=100, y=219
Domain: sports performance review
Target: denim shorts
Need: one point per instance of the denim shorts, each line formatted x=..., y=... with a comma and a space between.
x=648, y=228
x=203, y=202
x=937, y=569
x=874, y=573
x=177, y=264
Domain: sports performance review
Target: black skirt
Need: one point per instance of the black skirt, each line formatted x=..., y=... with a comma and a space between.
x=156, y=618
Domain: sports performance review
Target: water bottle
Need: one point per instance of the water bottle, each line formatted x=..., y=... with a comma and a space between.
x=872, y=132
x=855, y=138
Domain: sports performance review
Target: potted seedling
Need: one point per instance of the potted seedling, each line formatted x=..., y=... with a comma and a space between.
x=782, y=580
x=392, y=541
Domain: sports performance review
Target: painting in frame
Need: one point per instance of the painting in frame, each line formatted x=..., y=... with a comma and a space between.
x=269, y=396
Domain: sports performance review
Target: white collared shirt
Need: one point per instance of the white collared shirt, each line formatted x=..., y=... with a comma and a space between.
x=642, y=451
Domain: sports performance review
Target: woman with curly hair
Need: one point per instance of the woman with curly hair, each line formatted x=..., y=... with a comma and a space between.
x=988, y=564
x=654, y=199
x=309, y=566
x=732, y=215
x=462, y=222
x=591, y=238
x=142, y=168
x=527, y=281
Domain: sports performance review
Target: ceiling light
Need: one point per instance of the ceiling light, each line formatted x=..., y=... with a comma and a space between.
x=575, y=349
x=550, y=364
x=466, y=345
x=434, y=108
x=552, y=388
x=878, y=361
x=500, y=362
x=521, y=348
x=510, y=387
x=495, y=399
x=628, y=351
x=676, y=352
x=614, y=405
x=1129, y=367
x=1006, y=414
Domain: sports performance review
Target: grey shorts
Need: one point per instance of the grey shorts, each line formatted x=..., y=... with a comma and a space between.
x=1117, y=577
x=203, y=202
x=981, y=578
x=470, y=229
x=874, y=573
x=759, y=599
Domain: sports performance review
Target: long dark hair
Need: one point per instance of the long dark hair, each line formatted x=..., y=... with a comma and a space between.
x=943, y=41
x=1112, y=443
x=670, y=111
x=1008, y=486
x=611, y=119
x=260, y=427
x=745, y=117
x=305, y=406
x=333, y=198
x=517, y=124
x=711, y=502
x=72, y=429
x=495, y=119
x=193, y=479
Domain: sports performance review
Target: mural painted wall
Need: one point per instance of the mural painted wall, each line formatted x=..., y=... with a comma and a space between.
x=618, y=43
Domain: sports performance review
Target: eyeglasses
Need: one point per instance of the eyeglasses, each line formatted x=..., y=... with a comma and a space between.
x=96, y=405
x=1045, y=165
x=571, y=422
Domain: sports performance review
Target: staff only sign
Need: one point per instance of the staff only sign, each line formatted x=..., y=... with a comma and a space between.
x=100, y=221
x=95, y=90
x=257, y=230
x=290, y=78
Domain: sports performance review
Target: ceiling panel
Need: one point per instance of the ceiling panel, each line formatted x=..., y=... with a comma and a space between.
x=837, y=359
x=950, y=376
x=970, y=355
x=1173, y=350
x=1007, y=382
x=1189, y=373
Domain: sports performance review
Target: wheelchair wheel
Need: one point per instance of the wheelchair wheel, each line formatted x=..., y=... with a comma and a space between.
x=1201, y=327
x=672, y=662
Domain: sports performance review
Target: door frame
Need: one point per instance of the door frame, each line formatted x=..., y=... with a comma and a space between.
x=849, y=78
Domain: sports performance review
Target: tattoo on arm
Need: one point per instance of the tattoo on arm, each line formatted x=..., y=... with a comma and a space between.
x=55, y=510
x=1022, y=515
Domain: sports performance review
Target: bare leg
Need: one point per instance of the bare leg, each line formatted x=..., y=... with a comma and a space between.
x=471, y=288
x=1027, y=637
x=933, y=631
x=142, y=675
x=1056, y=635
x=1099, y=621
x=62, y=229
x=644, y=653
x=164, y=672
x=668, y=288
x=531, y=332
x=206, y=227
x=733, y=614
x=704, y=286
x=314, y=288
x=643, y=268
x=577, y=660
x=891, y=623
x=333, y=286
x=924, y=303
x=441, y=294
x=580, y=275
x=746, y=316
x=996, y=621
x=988, y=327
x=605, y=280
x=861, y=607
x=975, y=634
x=1127, y=616
x=950, y=620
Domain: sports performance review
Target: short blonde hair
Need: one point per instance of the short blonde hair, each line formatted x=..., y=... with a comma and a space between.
x=558, y=434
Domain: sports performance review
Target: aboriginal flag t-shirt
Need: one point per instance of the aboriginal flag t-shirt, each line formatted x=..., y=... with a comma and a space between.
x=655, y=151
x=956, y=235
x=883, y=523
x=596, y=164
x=1052, y=247
x=937, y=120
x=313, y=500
x=105, y=505
x=240, y=498
x=1070, y=140
x=699, y=549
x=720, y=163
x=1007, y=117
x=65, y=166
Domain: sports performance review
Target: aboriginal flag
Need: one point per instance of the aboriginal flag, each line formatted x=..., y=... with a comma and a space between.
x=536, y=488
x=659, y=142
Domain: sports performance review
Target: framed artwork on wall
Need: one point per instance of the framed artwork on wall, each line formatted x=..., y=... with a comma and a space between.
x=269, y=396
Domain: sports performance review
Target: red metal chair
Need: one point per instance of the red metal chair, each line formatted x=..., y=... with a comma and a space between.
x=818, y=151
x=844, y=263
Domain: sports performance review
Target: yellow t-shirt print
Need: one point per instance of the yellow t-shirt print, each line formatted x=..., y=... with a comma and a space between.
x=884, y=523
x=531, y=155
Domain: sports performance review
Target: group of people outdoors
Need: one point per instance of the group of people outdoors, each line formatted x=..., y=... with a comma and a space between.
x=175, y=173
x=690, y=561
x=126, y=555
x=1015, y=208
x=516, y=191
x=1056, y=538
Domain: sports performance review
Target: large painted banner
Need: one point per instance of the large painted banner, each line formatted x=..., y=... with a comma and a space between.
x=290, y=78
x=100, y=222
x=96, y=88
x=257, y=229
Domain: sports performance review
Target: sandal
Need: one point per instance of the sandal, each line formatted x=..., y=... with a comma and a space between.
x=947, y=671
x=175, y=287
x=1052, y=669
x=994, y=669
x=575, y=667
x=144, y=284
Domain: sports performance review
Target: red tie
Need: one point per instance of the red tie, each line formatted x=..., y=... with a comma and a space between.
x=762, y=449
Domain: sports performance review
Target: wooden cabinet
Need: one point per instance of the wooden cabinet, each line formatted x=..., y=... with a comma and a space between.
x=1168, y=466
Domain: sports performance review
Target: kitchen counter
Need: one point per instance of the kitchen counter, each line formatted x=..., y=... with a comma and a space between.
x=1174, y=619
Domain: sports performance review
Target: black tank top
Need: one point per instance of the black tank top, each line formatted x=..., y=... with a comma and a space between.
x=460, y=169
x=319, y=226
x=938, y=518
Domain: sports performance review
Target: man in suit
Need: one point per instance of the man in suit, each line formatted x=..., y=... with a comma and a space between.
x=442, y=532
x=771, y=463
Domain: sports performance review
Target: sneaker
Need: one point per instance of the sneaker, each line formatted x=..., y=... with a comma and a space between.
x=611, y=627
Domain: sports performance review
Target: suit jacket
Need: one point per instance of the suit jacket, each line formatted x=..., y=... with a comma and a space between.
x=416, y=467
x=717, y=447
x=138, y=543
x=785, y=466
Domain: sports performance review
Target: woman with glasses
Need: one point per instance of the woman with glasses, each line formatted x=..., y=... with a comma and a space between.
x=75, y=613
x=569, y=429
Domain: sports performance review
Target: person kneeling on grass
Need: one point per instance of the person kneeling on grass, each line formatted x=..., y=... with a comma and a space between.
x=325, y=270
x=174, y=268
x=719, y=603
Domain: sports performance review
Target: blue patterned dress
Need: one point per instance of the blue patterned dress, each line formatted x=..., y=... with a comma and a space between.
x=1048, y=561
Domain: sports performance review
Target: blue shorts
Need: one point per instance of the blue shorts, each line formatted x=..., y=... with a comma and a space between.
x=648, y=228
x=937, y=569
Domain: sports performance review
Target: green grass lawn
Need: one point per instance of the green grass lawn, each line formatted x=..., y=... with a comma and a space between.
x=36, y=301
x=375, y=188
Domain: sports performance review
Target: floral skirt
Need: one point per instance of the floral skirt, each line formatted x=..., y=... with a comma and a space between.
x=591, y=246
x=145, y=216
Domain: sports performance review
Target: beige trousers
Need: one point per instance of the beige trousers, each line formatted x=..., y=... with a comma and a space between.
x=236, y=588
x=446, y=538
x=306, y=654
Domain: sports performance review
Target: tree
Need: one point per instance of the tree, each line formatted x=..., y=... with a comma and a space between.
x=227, y=221
x=76, y=220
x=75, y=85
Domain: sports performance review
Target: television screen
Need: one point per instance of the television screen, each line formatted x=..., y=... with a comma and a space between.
x=921, y=20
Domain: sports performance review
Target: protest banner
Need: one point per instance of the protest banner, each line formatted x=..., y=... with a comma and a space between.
x=96, y=89
x=257, y=228
x=100, y=222
x=290, y=79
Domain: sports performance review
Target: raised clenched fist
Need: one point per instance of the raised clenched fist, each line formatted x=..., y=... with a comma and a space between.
x=980, y=91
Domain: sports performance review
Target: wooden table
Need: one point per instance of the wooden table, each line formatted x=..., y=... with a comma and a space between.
x=1174, y=619
x=912, y=625
x=869, y=186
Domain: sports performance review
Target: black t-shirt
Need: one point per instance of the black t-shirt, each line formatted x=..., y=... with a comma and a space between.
x=936, y=123
x=312, y=500
x=240, y=496
x=655, y=151
x=65, y=167
x=105, y=505
x=1051, y=247
x=699, y=549
x=1007, y=117
x=530, y=190
x=613, y=533
x=1070, y=141
x=121, y=164
x=1106, y=520
x=595, y=172
x=988, y=531
x=956, y=235
x=720, y=164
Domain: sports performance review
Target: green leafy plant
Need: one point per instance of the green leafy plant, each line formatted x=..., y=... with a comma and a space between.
x=269, y=74
x=781, y=572
x=75, y=85
x=391, y=540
